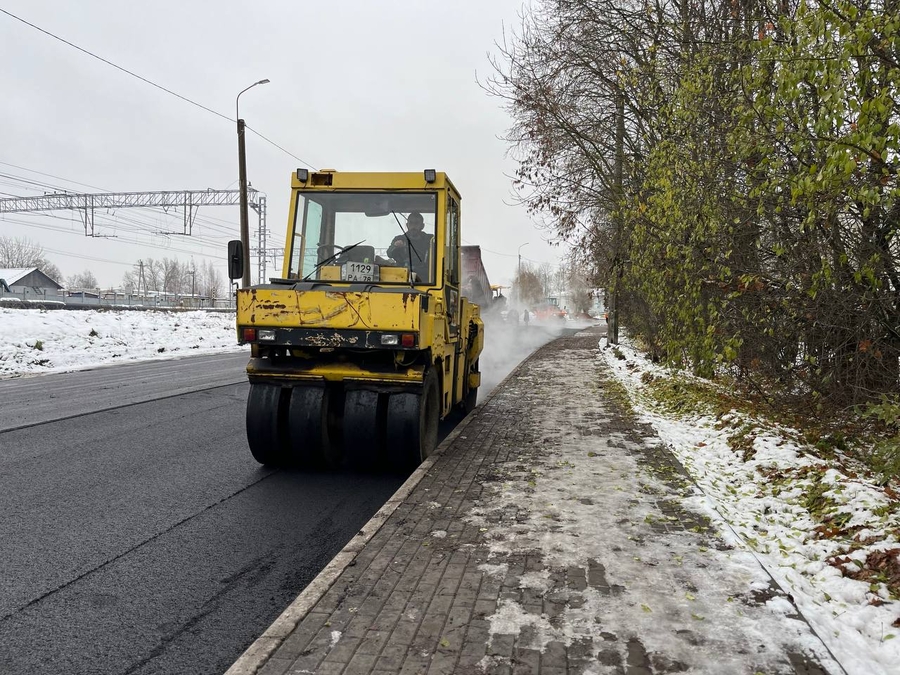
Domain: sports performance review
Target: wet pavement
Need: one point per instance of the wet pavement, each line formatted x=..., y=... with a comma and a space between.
x=551, y=534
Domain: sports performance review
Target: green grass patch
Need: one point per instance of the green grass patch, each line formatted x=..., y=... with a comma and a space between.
x=618, y=394
x=680, y=396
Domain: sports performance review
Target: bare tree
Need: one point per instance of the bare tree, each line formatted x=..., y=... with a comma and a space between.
x=85, y=279
x=174, y=276
x=209, y=281
x=528, y=287
x=19, y=253
x=172, y=273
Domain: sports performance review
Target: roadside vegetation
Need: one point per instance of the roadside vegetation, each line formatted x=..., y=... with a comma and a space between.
x=836, y=460
x=728, y=172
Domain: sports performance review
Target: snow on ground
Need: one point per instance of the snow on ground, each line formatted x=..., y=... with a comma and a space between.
x=584, y=502
x=34, y=341
x=760, y=501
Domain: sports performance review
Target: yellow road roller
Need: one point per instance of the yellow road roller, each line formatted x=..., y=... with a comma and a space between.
x=366, y=341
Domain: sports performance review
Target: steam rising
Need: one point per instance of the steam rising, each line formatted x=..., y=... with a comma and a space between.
x=506, y=345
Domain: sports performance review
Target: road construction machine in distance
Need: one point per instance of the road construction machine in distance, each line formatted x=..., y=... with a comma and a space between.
x=365, y=341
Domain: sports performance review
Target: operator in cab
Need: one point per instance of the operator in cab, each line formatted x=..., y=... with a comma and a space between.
x=413, y=248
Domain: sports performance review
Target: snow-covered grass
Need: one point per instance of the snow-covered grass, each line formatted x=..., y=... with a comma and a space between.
x=34, y=341
x=823, y=527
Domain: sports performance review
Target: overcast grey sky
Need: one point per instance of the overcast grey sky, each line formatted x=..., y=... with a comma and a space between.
x=356, y=85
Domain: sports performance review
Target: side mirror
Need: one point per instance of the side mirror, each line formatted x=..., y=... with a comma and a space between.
x=235, y=259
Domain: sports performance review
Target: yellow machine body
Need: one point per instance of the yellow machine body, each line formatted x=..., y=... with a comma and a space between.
x=368, y=309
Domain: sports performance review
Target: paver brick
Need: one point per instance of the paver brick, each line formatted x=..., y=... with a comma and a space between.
x=373, y=642
x=358, y=626
x=414, y=602
x=275, y=666
x=501, y=645
x=361, y=664
x=330, y=668
x=343, y=650
x=391, y=658
x=413, y=668
x=440, y=604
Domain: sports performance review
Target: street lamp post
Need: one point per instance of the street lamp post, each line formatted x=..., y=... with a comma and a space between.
x=242, y=179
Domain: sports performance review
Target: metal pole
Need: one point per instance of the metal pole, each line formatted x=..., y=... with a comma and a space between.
x=242, y=180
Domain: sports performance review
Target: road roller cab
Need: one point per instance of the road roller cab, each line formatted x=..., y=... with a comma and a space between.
x=364, y=342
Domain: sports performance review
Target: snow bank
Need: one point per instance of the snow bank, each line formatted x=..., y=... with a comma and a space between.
x=34, y=341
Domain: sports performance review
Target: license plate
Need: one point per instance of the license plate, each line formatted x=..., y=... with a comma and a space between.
x=354, y=271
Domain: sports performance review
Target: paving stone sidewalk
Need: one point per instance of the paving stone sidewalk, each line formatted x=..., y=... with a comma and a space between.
x=490, y=565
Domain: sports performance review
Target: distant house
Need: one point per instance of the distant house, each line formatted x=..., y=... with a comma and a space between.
x=28, y=283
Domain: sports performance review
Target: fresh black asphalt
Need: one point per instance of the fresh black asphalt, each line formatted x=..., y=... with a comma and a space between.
x=143, y=538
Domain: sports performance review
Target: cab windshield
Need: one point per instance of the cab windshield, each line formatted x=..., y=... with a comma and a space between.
x=364, y=236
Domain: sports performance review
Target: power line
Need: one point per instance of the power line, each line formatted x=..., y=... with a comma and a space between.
x=487, y=250
x=117, y=67
x=150, y=82
x=226, y=228
x=50, y=175
x=172, y=249
x=133, y=225
x=299, y=159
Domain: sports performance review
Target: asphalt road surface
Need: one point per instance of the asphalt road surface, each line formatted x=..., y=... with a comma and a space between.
x=137, y=534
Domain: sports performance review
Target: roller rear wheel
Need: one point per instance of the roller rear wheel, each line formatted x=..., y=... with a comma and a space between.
x=363, y=439
x=308, y=429
x=412, y=425
x=267, y=429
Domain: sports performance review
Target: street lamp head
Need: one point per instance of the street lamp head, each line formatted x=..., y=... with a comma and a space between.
x=238, y=97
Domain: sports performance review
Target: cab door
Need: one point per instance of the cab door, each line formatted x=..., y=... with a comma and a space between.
x=451, y=267
x=452, y=299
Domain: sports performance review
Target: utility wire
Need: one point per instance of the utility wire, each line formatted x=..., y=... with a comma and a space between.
x=225, y=227
x=110, y=63
x=172, y=249
x=50, y=175
x=132, y=225
x=150, y=82
x=299, y=159
x=510, y=255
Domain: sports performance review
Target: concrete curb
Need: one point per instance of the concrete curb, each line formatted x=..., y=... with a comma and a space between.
x=265, y=645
